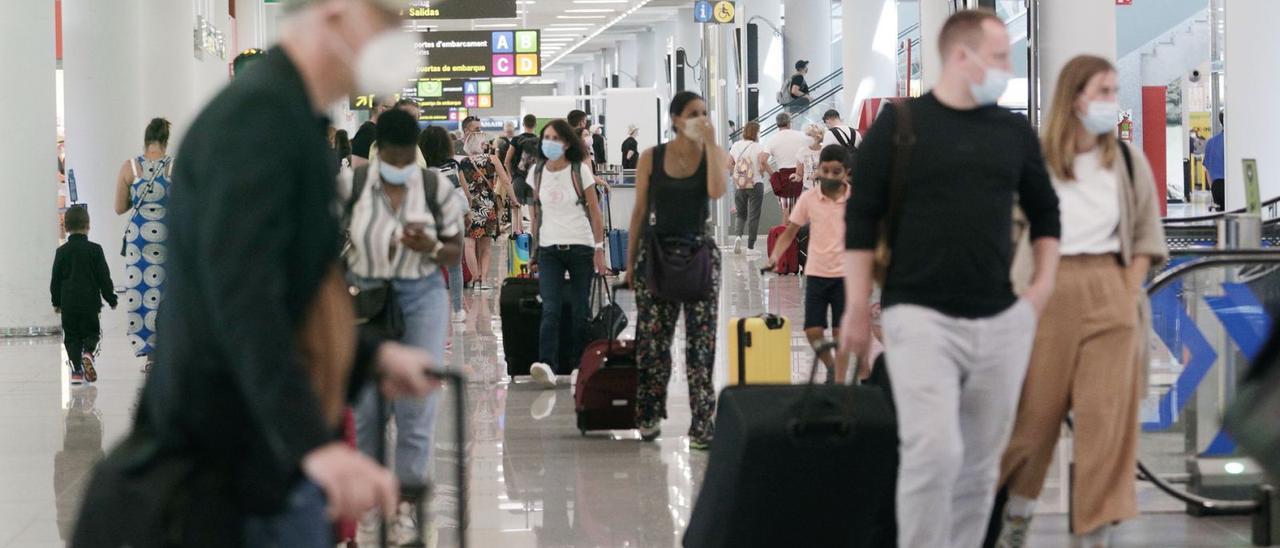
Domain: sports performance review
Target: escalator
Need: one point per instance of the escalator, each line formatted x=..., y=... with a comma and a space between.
x=1212, y=310
x=1201, y=231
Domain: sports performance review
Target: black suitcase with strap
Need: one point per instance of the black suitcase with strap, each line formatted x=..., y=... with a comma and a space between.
x=799, y=465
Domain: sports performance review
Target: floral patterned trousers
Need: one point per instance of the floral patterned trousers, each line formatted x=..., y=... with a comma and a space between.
x=655, y=330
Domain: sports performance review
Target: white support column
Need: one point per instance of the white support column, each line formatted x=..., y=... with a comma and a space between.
x=933, y=13
x=1068, y=29
x=806, y=34
x=104, y=85
x=1252, y=76
x=629, y=63
x=650, y=56
x=28, y=152
x=870, y=29
x=689, y=38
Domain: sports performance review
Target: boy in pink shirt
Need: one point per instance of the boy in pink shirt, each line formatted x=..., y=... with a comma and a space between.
x=822, y=208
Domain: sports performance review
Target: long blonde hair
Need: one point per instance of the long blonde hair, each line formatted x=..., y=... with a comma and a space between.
x=1060, y=134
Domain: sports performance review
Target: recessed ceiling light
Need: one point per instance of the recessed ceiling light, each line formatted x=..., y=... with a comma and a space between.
x=497, y=26
x=600, y=1
x=580, y=17
x=593, y=10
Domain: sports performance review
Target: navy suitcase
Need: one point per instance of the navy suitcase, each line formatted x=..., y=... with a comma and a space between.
x=615, y=237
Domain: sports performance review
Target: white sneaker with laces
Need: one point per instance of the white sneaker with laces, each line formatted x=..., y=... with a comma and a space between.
x=543, y=375
x=573, y=383
x=460, y=316
x=737, y=246
x=1013, y=532
x=406, y=529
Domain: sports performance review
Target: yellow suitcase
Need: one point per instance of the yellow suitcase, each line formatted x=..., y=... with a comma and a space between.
x=760, y=350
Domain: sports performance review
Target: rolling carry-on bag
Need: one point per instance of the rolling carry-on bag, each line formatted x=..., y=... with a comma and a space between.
x=789, y=262
x=802, y=248
x=518, y=255
x=616, y=239
x=760, y=350
x=605, y=396
x=420, y=495
x=802, y=465
x=520, y=309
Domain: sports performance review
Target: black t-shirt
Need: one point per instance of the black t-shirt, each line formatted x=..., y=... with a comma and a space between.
x=630, y=146
x=363, y=139
x=518, y=145
x=597, y=149
x=798, y=80
x=952, y=247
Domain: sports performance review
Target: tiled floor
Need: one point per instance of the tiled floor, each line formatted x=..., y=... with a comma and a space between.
x=533, y=482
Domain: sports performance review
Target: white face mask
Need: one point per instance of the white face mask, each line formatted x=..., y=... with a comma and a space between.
x=693, y=128
x=386, y=62
x=1100, y=117
x=994, y=81
x=397, y=176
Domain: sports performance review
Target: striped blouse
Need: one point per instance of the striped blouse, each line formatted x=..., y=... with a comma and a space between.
x=376, y=250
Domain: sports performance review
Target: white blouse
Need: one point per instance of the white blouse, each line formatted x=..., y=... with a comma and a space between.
x=1090, y=207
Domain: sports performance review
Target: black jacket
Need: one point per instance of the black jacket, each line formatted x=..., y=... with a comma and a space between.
x=81, y=279
x=251, y=235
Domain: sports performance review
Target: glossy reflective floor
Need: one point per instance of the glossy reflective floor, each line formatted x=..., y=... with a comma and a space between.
x=535, y=482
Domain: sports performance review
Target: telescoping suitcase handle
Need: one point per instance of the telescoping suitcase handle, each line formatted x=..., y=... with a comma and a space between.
x=421, y=493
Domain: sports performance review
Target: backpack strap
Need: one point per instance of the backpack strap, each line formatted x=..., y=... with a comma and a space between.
x=358, y=178
x=431, y=189
x=1128, y=160
x=840, y=137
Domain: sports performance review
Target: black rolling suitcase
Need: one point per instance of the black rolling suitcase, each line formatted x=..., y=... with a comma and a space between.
x=799, y=465
x=422, y=494
x=520, y=309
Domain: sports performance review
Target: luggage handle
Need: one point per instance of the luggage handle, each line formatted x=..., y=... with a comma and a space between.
x=806, y=417
x=421, y=492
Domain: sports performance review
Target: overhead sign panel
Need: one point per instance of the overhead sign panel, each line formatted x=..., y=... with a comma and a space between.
x=439, y=95
x=479, y=54
x=459, y=9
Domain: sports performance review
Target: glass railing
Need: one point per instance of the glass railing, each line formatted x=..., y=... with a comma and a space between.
x=1211, y=311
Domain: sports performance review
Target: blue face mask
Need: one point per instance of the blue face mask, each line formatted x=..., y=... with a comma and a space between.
x=396, y=175
x=994, y=81
x=553, y=150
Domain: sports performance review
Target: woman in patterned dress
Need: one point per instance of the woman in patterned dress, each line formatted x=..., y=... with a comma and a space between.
x=142, y=193
x=486, y=180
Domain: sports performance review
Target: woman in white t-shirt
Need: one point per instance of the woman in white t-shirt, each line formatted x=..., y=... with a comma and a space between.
x=568, y=238
x=748, y=171
x=807, y=159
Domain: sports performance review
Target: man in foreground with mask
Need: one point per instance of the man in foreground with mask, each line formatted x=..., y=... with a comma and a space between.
x=957, y=339
x=234, y=442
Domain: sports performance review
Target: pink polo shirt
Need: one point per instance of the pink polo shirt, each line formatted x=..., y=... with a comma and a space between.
x=825, y=218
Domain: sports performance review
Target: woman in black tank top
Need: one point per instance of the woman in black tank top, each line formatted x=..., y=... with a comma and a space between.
x=683, y=176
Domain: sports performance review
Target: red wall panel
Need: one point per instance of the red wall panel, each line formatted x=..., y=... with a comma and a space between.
x=1153, y=139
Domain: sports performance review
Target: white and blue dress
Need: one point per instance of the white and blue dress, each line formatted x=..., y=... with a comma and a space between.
x=146, y=250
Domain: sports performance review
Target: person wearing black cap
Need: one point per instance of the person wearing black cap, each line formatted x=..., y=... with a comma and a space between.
x=799, y=89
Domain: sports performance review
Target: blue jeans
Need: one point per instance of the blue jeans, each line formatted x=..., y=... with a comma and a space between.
x=455, y=287
x=302, y=524
x=425, y=303
x=553, y=262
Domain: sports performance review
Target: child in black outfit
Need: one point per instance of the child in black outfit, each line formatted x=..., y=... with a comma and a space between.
x=81, y=281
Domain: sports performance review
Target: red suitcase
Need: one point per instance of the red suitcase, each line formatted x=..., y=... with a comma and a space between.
x=605, y=396
x=345, y=530
x=789, y=262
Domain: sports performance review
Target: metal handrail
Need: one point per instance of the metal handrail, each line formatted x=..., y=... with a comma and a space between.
x=1208, y=258
x=838, y=73
x=815, y=103
x=1213, y=216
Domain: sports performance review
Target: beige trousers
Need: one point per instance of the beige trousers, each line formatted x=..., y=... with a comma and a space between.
x=1082, y=362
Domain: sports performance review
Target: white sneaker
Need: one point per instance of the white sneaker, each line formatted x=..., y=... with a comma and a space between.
x=737, y=246
x=543, y=375
x=1014, y=532
x=573, y=383
x=460, y=316
x=406, y=526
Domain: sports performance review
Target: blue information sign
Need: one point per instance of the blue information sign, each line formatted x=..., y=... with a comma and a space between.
x=702, y=12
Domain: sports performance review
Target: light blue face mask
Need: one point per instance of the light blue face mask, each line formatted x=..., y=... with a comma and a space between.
x=553, y=150
x=396, y=175
x=994, y=81
x=1100, y=117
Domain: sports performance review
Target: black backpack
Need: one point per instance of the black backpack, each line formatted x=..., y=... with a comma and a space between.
x=524, y=157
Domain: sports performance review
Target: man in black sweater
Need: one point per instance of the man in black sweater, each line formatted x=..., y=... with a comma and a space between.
x=81, y=281
x=957, y=338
